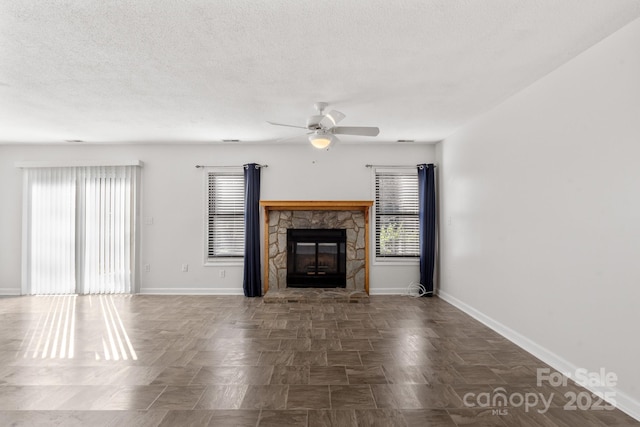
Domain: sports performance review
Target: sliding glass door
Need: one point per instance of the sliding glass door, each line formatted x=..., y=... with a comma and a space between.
x=79, y=230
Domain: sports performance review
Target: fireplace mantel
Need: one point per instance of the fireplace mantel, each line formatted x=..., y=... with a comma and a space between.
x=315, y=205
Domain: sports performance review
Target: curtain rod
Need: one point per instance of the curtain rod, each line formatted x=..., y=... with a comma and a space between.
x=76, y=163
x=396, y=166
x=226, y=166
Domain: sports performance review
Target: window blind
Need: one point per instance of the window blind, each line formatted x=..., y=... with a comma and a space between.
x=51, y=230
x=79, y=229
x=226, y=214
x=107, y=219
x=396, y=214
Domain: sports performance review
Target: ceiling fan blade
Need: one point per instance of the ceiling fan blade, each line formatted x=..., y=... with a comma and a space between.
x=355, y=130
x=331, y=119
x=281, y=124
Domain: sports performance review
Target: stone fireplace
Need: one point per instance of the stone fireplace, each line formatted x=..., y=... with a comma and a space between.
x=348, y=217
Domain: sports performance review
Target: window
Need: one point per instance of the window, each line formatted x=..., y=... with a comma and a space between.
x=225, y=219
x=396, y=214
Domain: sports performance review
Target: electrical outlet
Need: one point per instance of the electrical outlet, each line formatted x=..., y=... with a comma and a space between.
x=147, y=267
x=185, y=268
x=222, y=274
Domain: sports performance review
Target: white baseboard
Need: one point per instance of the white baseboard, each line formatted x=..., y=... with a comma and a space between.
x=623, y=401
x=386, y=291
x=236, y=291
x=191, y=291
x=157, y=291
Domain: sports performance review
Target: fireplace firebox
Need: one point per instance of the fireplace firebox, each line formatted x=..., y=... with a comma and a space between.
x=316, y=258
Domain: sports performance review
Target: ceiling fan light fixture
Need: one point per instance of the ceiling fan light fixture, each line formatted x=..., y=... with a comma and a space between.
x=321, y=140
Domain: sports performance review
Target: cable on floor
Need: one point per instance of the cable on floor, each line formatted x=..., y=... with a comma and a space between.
x=416, y=290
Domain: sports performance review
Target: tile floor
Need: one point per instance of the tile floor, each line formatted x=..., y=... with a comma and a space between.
x=235, y=361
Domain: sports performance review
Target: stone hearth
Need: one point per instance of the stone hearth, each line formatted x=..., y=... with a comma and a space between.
x=315, y=295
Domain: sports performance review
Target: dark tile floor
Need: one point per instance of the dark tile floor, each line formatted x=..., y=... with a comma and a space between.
x=235, y=361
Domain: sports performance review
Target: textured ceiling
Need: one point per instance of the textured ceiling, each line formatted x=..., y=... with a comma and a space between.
x=203, y=71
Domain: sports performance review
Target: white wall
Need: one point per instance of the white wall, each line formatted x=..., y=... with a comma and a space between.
x=173, y=194
x=540, y=215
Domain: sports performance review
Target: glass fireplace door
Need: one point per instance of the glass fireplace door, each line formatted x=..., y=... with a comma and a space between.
x=305, y=258
x=316, y=258
x=327, y=261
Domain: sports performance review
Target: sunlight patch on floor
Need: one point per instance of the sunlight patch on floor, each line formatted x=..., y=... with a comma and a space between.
x=54, y=334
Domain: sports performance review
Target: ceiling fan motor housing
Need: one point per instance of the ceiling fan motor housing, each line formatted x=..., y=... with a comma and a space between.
x=313, y=122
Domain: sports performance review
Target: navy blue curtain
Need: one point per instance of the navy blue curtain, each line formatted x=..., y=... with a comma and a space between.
x=427, y=214
x=252, y=283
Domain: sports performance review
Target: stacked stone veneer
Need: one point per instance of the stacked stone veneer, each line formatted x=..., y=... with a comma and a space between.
x=281, y=220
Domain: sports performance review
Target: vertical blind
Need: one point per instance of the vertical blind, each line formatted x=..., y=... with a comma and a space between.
x=79, y=229
x=226, y=214
x=396, y=213
x=106, y=218
x=51, y=253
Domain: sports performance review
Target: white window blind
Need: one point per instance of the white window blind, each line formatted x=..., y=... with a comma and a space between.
x=79, y=229
x=105, y=193
x=51, y=230
x=396, y=213
x=226, y=215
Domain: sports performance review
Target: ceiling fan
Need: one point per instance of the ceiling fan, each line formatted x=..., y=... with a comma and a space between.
x=322, y=127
